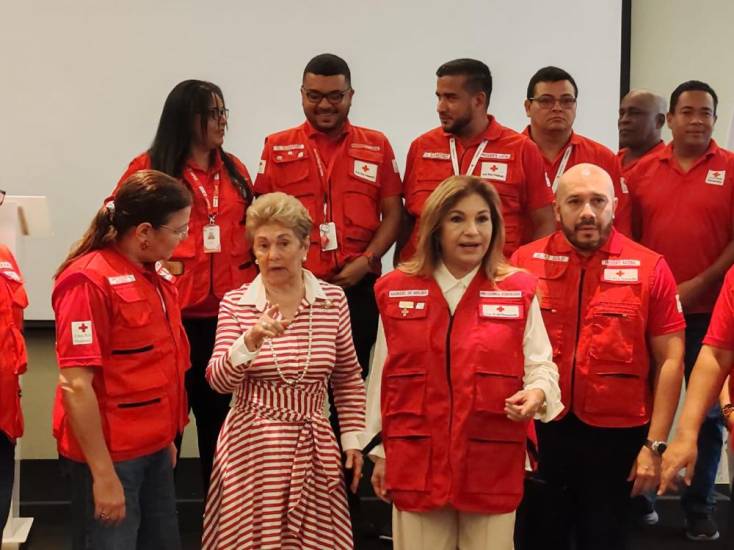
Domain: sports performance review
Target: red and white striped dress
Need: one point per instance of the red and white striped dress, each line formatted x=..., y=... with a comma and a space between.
x=277, y=478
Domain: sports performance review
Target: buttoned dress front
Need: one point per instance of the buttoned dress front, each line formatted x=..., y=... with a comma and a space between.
x=277, y=479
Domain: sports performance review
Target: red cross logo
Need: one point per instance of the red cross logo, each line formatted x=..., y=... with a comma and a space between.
x=365, y=168
x=620, y=273
x=83, y=327
x=493, y=167
x=500, y=309
x=717, y=174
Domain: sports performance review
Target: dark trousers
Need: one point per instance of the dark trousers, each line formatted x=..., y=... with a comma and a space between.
x=210, y=408
x=699, y=497
x=579, y=497
x=7, y=476
x=363, y=315
x=150, y=506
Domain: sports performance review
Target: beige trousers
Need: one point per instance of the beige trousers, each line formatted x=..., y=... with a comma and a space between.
x=448, y=529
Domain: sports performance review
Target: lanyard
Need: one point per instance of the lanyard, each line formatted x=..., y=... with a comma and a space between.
x=325, y=171
x=212, y=207
x=562, y=167
x=474, y=160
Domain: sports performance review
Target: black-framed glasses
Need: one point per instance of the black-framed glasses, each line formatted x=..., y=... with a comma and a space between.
x=216, y=113
x=548, y=101
x=2, y=196
x=315, y=97
x=181, y=232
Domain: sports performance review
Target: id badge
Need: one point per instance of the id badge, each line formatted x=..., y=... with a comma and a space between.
x=212, y=243
x=328, y=236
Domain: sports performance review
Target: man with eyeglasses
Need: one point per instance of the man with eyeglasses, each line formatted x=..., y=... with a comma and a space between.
x=471, y=142
x=551, y=107
x=347, y=178
x=683, y=208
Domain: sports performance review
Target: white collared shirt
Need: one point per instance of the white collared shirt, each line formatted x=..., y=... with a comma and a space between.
x=540, y=370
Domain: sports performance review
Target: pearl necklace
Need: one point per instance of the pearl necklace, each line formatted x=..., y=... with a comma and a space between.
x=300, y=377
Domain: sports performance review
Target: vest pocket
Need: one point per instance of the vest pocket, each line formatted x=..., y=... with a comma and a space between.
x=139, y=424
x=132, y=306
x=408, y=457
x=404, y=392
x=495, y=456
x=614, y=329
x=492, y=388
x=616, y=394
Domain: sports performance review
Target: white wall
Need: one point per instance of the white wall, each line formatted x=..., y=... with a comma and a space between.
x=678, y=40
x=83, y=82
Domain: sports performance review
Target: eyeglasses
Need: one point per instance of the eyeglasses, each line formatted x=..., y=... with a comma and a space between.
x=2, y=196
x=181, y=232
x=215, y=113
x=334, y=97
x=548, y=101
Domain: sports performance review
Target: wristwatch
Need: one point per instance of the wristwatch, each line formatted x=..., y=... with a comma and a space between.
x=373, y=261
x=657, y=447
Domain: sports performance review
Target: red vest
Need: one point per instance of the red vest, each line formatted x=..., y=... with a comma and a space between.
x=349, y=194
x=140, y=385
x=13, y=359
x=215, y=273
x=596, y=315
x=445, y=380
x=505, y=153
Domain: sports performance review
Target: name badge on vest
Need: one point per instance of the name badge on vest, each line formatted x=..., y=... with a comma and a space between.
x=716, y=177
x=212, y=240
x=628, y=275
x=407, y=293
x=494, y=171
x=436, y=155
x=501, y=311
x=121, y=279
x=366, y=170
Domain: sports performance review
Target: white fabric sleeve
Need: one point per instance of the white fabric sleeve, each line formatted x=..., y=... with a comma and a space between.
x=374, y=387
x=540, y=370
x=238, y=353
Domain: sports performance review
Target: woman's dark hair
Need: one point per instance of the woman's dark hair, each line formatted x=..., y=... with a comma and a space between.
x=146, y=196
x=172, y=141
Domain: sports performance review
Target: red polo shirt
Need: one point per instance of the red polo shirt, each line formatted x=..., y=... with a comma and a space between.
x=624, y=170
x=688, y=217
x=588, y=150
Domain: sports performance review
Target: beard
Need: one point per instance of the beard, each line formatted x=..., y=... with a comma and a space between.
x=602, y=233
x=457, y=125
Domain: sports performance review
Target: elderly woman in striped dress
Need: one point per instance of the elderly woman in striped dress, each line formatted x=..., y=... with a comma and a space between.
x=277, y=479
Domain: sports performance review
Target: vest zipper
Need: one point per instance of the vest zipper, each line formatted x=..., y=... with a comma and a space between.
x=448, y=376
x=576, y=339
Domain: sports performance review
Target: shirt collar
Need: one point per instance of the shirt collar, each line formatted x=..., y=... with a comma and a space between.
x=446, y=281
x=214, y=167
x=613, y=246
x=667, y=153
x=255, y=293
x=312, y=132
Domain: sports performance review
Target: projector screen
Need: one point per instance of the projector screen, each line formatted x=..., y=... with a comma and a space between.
x=84, y=82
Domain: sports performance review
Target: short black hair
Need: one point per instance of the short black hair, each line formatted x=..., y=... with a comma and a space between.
x=328, y=64
x=692, y=86
x=550, y=74
x=478, y=75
